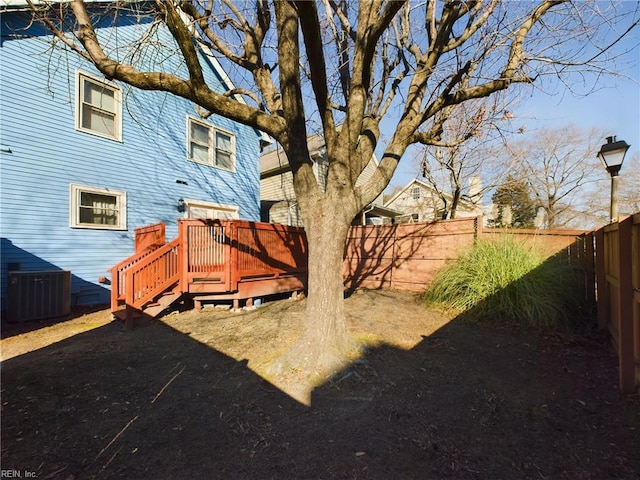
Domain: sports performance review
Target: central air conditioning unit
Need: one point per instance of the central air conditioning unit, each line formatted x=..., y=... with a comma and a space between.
x=38, y=294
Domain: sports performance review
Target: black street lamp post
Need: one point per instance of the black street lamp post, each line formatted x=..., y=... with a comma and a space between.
x=611, y=155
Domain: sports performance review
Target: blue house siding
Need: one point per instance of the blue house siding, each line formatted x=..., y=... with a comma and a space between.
x=43, y=154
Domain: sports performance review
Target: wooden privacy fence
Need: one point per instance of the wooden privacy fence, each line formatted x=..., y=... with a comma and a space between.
x=618, y=293
x=403, y=256
x=408, y=256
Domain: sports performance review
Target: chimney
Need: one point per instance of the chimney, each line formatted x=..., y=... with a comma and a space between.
x=475, y=190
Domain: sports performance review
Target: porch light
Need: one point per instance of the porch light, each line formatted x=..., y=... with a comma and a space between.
x=611, y=155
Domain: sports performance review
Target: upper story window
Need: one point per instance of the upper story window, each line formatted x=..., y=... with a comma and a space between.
x=209, y=145
x=98, y=208
x=415, y=193
x=98, y=107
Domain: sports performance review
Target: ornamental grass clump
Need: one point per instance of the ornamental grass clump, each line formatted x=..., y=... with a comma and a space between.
x=505, y=280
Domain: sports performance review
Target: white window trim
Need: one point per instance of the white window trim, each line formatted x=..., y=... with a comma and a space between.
x=74, y=204
x=117, y=98
x=211, y=162
x=234, y=210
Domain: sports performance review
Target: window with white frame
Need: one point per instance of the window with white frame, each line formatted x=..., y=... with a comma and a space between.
x=208, y=210
x=98, y=107
x=209, y=145
x=415, y=193
x=98, y=208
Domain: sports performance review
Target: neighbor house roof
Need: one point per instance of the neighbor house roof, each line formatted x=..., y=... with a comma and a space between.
x=413, y=182
x=275, y=160
x=425, y=186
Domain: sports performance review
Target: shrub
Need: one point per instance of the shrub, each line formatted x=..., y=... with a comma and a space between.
x=505, y=280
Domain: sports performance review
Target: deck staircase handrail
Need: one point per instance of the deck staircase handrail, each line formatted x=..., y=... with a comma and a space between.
x=147, y=239
x=153, y=275
x=118, y=278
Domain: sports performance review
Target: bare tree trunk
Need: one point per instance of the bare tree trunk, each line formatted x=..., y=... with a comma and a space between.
x=551, y=218
x=454, y=203
x=325, y=344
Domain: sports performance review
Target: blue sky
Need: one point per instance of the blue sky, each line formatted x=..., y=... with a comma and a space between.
x=613, y=106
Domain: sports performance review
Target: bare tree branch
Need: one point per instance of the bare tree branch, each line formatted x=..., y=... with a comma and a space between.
x=183, y=37
x=200, y=94
x=295, y=141
x=310, y=26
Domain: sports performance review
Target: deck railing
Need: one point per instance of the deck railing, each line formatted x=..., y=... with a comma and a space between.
x=207, y=253
x=207, y=256
x=149, y=237
x=119, y=280
x=148, y=279
x=146, y=240
x=267, y=250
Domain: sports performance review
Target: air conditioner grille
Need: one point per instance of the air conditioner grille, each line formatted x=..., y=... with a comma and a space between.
x=38, y=294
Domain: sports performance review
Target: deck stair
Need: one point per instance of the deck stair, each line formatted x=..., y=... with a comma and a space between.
x=209, y=260
x=162, y=303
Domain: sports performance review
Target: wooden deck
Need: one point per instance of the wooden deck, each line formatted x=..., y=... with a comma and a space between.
x=209, y=260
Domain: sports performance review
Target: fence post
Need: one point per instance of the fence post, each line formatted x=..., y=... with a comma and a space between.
x=603, y=301
x=393, y=256
x=115, y=288
x=625, y=315
x=477, y=227
x=635, y=291
x=233, y=232
x=589, y=265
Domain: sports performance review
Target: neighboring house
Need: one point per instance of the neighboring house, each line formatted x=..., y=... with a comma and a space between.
x=85, y=161
x=277, y=195
x=419, y=202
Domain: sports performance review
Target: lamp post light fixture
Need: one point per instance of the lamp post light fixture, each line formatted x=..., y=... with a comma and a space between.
x=611, y=155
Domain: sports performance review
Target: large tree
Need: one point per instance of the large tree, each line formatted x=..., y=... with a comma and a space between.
x=352, y=68
x=467, y=160
x=558, y=165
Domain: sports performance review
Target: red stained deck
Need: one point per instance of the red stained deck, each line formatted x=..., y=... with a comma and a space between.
x=209, y=260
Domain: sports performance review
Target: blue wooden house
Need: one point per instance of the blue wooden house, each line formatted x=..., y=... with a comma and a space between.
x=85, y=161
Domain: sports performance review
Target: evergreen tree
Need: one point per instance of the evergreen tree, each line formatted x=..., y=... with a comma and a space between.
x=515, y=207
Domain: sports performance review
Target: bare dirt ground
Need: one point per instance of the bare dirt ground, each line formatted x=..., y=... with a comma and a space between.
x=186, y=397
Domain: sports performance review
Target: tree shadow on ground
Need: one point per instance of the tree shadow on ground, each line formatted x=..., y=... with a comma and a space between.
x=476, y=402
x=468, y=401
